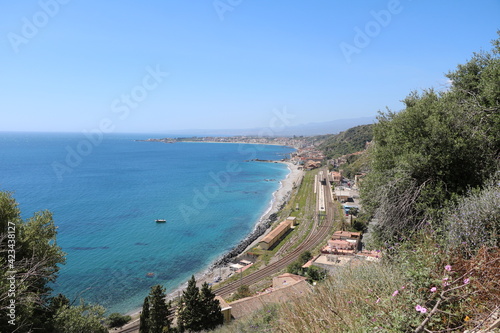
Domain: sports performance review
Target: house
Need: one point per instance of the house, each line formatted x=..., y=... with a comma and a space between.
x=225, y=309
x=285, y=288
x=331, y=263
x=309, y=165
x=336, y=177
x=342, y=194
x=343, y=242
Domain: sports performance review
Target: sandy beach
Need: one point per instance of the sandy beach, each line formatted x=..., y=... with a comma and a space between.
x=220, y=268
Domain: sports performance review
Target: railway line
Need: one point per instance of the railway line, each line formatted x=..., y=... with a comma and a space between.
x=323, y=228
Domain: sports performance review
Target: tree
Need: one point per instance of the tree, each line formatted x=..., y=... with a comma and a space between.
x=32, y=264
x=198, y=310
x=155, y=312
x=29, y=263
x=144, y=319
x=159, y=310
x=295, y=268
x=316, y=274
x=305, y=257
x=82, y=318
x=211, y=312
x=190, y=308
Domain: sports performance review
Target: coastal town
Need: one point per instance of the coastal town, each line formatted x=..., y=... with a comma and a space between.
x=294, y=142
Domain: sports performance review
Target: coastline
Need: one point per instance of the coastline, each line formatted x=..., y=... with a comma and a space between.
x=219, y=266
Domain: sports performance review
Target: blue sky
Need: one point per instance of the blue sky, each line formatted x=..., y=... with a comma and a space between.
x=69, y=65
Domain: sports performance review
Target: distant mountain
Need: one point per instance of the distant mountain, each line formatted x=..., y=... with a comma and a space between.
x=330, y=127
x=310, y=129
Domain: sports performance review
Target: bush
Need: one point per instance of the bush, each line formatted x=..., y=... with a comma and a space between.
x=305, y=257
x=242, y=292
x=117, y=320
x=475, y=221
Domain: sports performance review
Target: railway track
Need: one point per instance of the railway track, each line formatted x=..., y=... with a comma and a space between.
x=312, y=241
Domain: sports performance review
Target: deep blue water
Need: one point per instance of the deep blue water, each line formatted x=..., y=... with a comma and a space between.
x=106, y=196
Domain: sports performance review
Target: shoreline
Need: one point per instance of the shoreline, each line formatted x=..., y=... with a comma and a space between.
x=263, y=226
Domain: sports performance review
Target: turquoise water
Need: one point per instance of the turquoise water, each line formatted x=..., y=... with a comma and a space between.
x=106, y=196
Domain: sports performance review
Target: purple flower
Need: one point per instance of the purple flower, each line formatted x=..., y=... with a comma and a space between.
x=378, y=300
x=447, y=267
x=466, y=281
x=395, y=293
x=420, y=309
x=433, y=289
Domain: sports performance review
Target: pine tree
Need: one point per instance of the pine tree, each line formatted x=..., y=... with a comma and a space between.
x=211, y=316
x=189, y=310
x=159, y=310
x=144, y=320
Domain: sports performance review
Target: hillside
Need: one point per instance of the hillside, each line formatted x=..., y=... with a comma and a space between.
x=347, y=142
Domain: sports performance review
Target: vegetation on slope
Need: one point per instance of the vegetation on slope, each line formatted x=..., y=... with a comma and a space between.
x=436, y=149
x=347, y=142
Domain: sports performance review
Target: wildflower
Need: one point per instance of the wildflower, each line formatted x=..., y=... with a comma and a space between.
x=466, y=281
x=420, y=309
x=467, y=318
x=433, y=289
x=447, y=267
x=378, y=300
x=445, y=279
x=395, y=293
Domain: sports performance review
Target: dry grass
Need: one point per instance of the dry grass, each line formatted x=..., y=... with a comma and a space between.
x=357, y=299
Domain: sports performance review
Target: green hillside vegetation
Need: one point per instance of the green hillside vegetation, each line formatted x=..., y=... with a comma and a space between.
x=434, y=188
x=347, y=142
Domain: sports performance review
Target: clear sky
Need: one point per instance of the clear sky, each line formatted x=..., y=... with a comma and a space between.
x=69, y=65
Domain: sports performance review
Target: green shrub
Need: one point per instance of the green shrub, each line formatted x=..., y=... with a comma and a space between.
x=117, y=320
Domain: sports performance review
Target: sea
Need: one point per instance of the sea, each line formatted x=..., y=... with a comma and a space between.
x=107, y=191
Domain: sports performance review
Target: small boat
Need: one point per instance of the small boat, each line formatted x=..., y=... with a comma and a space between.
x=161, y=221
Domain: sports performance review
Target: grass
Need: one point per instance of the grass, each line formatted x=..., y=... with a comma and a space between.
x=357, y=299
x=423, y=286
